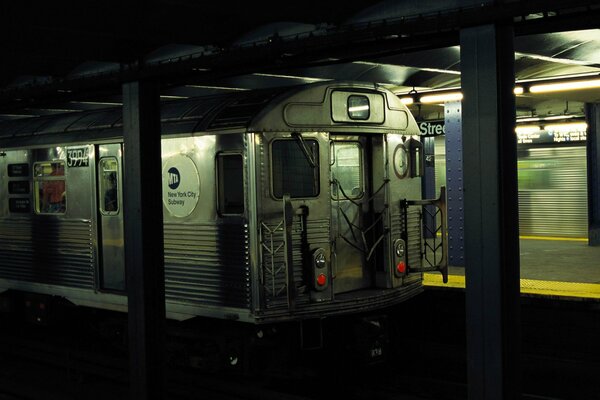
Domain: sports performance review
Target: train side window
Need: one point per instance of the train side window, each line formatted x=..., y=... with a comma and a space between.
x=347, y=170
x=109, y=185
x=291, y=170
x=230, y=181
x=50, y=187
x=417, y=158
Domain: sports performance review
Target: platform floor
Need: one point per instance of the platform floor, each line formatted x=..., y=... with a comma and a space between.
x=549, y=267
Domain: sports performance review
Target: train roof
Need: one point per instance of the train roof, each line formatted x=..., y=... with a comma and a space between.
x=275, y=109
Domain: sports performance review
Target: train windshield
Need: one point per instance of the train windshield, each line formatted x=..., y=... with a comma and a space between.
x=292, y=170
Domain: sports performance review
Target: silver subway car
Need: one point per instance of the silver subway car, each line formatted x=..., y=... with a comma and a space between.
x=279, y=204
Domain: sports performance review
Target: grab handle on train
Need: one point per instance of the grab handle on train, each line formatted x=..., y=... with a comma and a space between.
x=440, y=264
x=288, y=220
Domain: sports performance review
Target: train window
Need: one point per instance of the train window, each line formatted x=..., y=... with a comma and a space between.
x=108, y=185
x=292, y=170
x=346, y=170
x=230, y=181
x=50, y=187
x=358, y=107
x=417, y=162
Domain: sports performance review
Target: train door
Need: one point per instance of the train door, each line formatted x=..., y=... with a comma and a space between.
x=110, y=217
x=349, y=210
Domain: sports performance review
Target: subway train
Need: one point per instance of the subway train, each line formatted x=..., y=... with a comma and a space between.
x=285, y=204
x=552, y=179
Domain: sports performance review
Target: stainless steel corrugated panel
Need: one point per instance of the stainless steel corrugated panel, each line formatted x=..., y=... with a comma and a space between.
x=553, y=192
x=414, y=244
x=208, y=264
x=49, y=251
x=317, y=231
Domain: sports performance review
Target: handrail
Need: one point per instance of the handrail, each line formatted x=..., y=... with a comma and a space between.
x=440, y=203
x=288, y=220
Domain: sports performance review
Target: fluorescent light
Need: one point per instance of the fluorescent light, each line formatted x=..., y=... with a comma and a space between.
x=304, y=78
x=407, y=100
x=562, y=86
x=518, y=90
x=552, y=118
x=441, y=98
x=567, y=127
x=524, y=129
x=216, y=87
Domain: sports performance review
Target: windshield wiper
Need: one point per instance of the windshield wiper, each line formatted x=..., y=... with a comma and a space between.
x=309, y=157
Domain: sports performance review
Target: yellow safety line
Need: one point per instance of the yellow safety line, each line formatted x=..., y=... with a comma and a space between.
x=529, y=286
x=561, y=239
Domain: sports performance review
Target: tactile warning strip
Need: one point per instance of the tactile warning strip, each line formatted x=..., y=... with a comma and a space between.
x=528, y=286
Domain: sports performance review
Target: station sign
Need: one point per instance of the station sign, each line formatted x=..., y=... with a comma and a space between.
x=545, y=137
x=431, y=128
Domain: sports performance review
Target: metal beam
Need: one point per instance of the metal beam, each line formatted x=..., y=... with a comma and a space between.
x=491, y=212
x=454, y=183
x=593, y=172
x=144, y=257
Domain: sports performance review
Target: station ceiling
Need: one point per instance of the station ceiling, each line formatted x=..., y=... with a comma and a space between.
x=70, y=56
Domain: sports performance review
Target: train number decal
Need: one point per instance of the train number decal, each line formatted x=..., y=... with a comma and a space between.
x=78, y=157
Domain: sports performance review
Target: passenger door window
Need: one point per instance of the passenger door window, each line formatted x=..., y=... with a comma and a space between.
x=347, y=170
x=108, y=185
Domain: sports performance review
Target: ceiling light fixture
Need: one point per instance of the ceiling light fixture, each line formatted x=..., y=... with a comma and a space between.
x=441, y=98
x=567, y=127
x=524, y=129
x=564, y=86
x=551, y=118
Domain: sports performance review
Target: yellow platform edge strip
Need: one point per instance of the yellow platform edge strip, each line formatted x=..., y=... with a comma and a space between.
x=528, y=286
x=558, y=239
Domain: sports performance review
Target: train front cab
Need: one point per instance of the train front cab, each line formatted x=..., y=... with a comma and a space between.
x=334, y=197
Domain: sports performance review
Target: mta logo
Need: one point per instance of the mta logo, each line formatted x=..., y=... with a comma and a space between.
x=174, y=178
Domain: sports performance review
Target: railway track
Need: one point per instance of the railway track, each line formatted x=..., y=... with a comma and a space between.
x=74, y=361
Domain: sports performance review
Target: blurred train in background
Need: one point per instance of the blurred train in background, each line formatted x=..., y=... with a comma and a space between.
x=552, y=173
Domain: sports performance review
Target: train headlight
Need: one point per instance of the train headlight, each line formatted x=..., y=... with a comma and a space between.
x=319, y=259
x=400, y=248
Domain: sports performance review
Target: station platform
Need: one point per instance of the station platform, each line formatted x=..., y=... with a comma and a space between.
x=565, y=268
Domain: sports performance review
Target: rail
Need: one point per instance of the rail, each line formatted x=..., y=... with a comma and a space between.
x=432, y=249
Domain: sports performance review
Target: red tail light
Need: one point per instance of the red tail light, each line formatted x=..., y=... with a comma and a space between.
x=321, y=280
x=401, y=267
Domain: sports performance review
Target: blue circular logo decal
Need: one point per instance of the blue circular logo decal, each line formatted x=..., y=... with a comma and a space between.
x=174, y=178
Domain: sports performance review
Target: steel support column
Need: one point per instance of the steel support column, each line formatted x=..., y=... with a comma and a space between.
x=491, y=212
x=144, y=256
x=593, y=173
x=454, y=183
